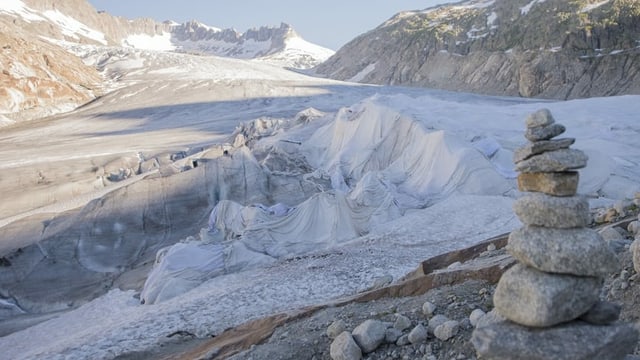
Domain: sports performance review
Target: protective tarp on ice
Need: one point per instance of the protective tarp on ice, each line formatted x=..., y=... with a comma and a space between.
x=423, y=164
x=380, y=163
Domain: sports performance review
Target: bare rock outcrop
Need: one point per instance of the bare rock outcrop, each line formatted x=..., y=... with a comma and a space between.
x=546, y=49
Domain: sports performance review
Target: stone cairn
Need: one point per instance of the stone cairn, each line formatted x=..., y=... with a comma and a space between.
x=551, y=297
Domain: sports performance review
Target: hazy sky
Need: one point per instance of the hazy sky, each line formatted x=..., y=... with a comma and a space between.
x=330, y=23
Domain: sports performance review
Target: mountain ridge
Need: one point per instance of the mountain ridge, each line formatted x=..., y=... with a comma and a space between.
x=39, y=88
x=531, y=48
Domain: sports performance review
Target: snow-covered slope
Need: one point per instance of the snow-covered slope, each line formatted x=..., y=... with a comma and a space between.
x=278, y=45
x=34, y=86
x=78, y=21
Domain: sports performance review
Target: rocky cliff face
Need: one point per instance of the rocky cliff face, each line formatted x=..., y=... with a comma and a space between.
x=532, y=48
x=38, y=78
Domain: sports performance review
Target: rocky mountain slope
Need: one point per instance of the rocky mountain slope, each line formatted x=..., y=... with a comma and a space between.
x=532, y=48
x=40, y=78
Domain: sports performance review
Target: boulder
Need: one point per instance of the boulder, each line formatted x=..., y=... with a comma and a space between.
x=572, y=341
x=475, y=316
x=369, y=335
x=336, y=328
x=418, y=335
x=345, y=348
x=550, y=183
x=554, y=161
x=436, y=321
x=540, y=147
x=402, y=323
x=392, y=335
x=428, y=308
x=578, y=251
x=533, y=298
x=447, y=330
x=552, y=211
x=544, y=132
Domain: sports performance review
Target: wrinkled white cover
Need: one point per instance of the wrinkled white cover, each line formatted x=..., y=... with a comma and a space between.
x=181, y=267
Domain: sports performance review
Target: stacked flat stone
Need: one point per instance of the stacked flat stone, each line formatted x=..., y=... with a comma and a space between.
x=550, y=298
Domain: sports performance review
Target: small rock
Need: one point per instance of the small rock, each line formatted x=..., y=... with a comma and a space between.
x=555, y=183
x=533, y=298
x=492, y=317
x=403, y=340
x=635, y=251
x=345, y=348
x=598, y=218
x=539, y=118
x=428, y=308
x=447, y=330
x=369, y=335
x=621, y=206
x=552, y=211
x=544, y=132
x=602, y=313
x=491, y=247
x=336, y=328
x=634, y=227
x=436, y=321
x=554, y=161
x=402, y=322
x=418, y=334
x=392, y=335
x=475, y=316
x=610, y=215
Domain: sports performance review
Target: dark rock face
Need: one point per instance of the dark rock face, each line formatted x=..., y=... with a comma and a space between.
x=552, y=49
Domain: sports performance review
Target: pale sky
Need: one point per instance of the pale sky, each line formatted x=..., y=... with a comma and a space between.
x=330, y=23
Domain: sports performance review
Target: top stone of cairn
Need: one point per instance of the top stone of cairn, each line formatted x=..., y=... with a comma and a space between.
x=540, y=118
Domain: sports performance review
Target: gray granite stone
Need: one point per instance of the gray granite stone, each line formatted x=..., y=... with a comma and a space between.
x=539, y=118
x=578, y=251
x=571, y=341
x=544, y=132
x=554, y=161
x=369, y=335
x=534, y=298
x=552, y=211
x=345, y=348
x=538, y=147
